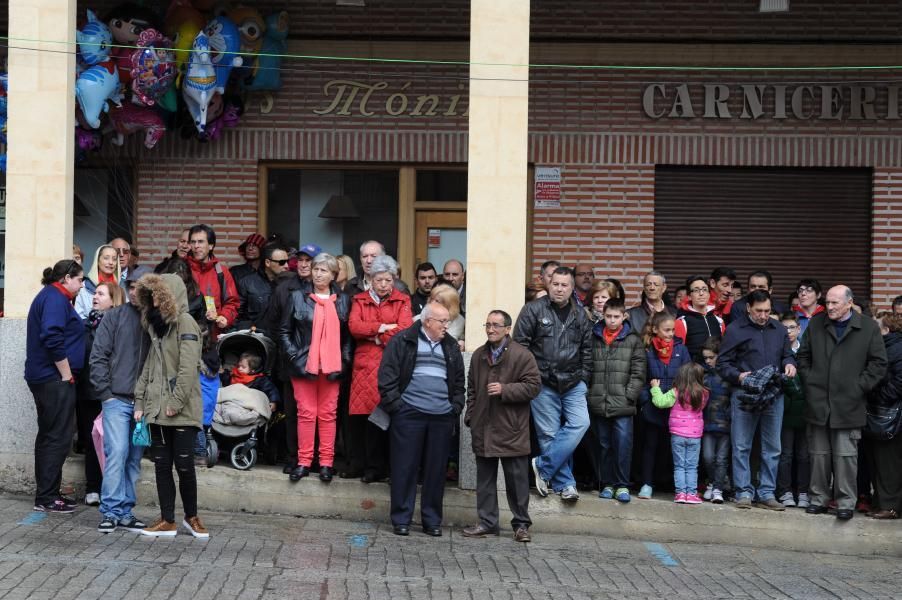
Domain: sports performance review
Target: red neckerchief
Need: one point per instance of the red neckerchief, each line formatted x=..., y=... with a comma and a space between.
x=610, y=336
x=801, y=311
x=103, y=278
x=63, y=290
x=243, y=378
x=663, y=349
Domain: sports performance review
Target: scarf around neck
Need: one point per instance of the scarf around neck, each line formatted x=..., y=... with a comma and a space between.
x=243, y=378
x=663, y=349
x=63, y=290
x=324, y=355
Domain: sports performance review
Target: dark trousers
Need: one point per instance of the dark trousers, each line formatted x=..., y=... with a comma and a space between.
x=793, y=452
x=54, y=402
x=716, y=457
x=86, y=410
x=886, y=456
x=419, y=440
x=655, y=437
x=516, y=482
x=615, y=440
x=174, y=445
x=368, y=446
x=290, y=406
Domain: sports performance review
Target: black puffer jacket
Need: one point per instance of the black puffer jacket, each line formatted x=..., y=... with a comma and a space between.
x=889, y=391
x=297, y=329
x=563, y=351
x=618, y=373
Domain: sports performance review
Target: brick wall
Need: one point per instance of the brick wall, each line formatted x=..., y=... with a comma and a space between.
x=886, y=258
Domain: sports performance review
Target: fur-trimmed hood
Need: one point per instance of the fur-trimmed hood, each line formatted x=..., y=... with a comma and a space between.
x=167, y=291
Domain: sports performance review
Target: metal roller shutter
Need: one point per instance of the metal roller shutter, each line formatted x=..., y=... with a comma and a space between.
x=793, y=222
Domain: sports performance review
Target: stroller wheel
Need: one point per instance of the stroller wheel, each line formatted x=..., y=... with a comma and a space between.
x=244, y=457
x=212, y=450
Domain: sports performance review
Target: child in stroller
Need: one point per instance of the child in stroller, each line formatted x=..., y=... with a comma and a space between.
x=248, y=397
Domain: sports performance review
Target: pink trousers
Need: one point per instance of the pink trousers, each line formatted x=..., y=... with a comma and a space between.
x=317, y=401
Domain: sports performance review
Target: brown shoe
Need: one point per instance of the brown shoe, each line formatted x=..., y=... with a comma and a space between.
x=522, y=535
x=889, y=513
x=161, y=528
x=771, y=504
x=195, y=527
x=478, y=531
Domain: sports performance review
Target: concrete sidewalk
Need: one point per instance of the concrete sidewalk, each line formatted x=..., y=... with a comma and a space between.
x=266, y=490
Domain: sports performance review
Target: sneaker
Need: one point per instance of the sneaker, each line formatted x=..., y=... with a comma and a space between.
x=709, y=492
x=771, y=504
x=161, y=528
x=622, y=495
x=744, y=502
x=541, y=484
x=716, y=497
x=787, y=500
x=607, y=493
x=195, y=527
x=679, y=498
x=804, y=501
x=645, y=492
x=56, y=506
x=569, y=494
x=108, y=525
x=132, y=524
x=693, y=499
x=92, y=499
x=68, y=501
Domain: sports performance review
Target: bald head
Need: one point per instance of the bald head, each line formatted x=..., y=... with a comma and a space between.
x=839, y=302
x=453, y=273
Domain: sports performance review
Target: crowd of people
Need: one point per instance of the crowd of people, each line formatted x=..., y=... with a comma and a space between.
x=761, y=403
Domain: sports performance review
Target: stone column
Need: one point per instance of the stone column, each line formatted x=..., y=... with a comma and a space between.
x=497, y=172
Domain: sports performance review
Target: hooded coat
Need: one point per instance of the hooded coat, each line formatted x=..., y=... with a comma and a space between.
x=618, y=373
x=170, y=375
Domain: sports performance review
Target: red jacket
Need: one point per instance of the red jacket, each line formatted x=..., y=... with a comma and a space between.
x=364, y=321
x=206, y=275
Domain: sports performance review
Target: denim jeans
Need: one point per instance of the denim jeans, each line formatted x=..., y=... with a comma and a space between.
x=123, y=460
x=794, y=450
x=557, y=442
x=615, y=436
x=716, y=454
x=743, y=433
x=685, y=463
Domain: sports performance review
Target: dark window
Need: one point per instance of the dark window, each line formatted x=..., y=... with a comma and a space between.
x=441, y=186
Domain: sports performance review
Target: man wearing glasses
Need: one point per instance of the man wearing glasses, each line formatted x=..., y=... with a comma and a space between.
x=503, y=379
x=583, y=277
x=256, y=288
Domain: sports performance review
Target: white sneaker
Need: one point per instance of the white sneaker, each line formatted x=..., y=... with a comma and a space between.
x=92, y=499
x=716, y=497
x=803, y=502
x=569, y=494
x=541, y=484
x=709, y=492
x=787, y=500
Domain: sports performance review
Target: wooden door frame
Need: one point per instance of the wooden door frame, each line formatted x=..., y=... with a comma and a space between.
x=426, y=220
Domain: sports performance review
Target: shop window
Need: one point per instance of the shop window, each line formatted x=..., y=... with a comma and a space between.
x=334, y=209
x=441, y=186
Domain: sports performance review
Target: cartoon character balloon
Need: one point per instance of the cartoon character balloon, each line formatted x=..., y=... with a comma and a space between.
x=94, y=88
x=153, y=67
x=126, y=22
x=129, y=119
x=251, y=27
x=94, y=41
x=183, y=22
x=199, y=82
x=274, y=43
x=225, y=41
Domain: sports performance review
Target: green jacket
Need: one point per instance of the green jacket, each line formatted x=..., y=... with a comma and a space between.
x=839, y=375
x=618, y=373
x=170, y=378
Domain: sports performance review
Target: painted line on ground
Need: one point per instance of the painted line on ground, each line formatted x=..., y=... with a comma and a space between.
x=33, y=518
x=358, y=541
x=661, y=553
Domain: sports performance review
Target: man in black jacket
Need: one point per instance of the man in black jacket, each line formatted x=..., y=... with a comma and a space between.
x=426, y=278
x=559, y=335
x=117, y=358
x=255, y=290
x=421, y=384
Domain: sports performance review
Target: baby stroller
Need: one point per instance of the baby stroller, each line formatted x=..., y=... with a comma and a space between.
x=239, y=416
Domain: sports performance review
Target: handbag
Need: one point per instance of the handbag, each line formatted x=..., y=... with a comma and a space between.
x=141, y=434
x=883, y=422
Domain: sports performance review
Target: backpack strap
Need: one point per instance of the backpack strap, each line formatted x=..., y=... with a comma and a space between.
x=220, y=277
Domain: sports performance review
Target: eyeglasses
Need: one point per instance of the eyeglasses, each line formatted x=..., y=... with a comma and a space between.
x=495, y=326
x=282, y=262
x=698, y=290
x=805, y=289
x=792, y=327
x=584, y=274
x=444, y=322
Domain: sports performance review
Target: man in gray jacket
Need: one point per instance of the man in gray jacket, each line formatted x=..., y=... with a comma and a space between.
x=120, y=347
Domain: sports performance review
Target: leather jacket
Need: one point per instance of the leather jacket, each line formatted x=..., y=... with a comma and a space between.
x=297, y=329
x=563, y=352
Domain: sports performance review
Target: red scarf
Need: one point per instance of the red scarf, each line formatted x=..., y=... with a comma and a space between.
x=103, y=278
x=801, y=311
x=63, y=290
x=325, y=343
x=610, y=336
x=243, y=378
x=663, y=349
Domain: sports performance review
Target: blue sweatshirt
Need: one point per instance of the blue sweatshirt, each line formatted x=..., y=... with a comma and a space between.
x=54, y=332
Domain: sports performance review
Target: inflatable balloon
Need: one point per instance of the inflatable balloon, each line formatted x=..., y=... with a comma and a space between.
x=153, y=67
x=225, y=42
x=226, y=114
x=129, y=119
x=181, y=12
x=126, y=22
x=199, y=82
x=87, y=139
x=268, y=75
x=94, y=88
x=94, y=41
x=251, y=28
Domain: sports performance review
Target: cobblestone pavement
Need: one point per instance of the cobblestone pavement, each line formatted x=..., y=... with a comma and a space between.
x=254, y=556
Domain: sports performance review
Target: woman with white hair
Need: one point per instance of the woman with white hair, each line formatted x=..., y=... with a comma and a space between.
x=376, y=316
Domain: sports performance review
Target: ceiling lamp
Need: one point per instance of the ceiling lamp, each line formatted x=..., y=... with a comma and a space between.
x=339, y=207
x=771, y=6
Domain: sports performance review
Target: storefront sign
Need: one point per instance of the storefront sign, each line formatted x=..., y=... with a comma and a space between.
x=770, y=101
x=435, y=238
x=548, y=187
x=358, y=99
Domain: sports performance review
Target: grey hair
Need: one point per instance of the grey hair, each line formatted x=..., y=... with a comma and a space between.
x=654, y=274
x=848, y=296
x=384, y=264
x=330, y=262
x=426, y=312
x=368, y=242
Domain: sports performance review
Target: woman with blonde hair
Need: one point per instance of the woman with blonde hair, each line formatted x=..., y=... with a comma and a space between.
x=448, y=297
x=104, y=269
x=602, y=291
x=346, y=270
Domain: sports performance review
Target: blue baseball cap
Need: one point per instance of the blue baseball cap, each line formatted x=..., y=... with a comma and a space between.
x=310, y=250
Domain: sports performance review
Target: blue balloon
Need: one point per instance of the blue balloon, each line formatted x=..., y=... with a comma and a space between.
x=94, y=88
x=268, y=75
x=225, y=41
x=94, y=41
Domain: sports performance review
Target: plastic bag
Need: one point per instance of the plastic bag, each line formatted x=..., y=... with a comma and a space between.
x=141, y=434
